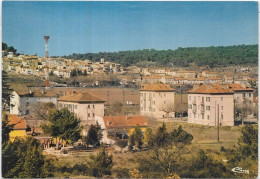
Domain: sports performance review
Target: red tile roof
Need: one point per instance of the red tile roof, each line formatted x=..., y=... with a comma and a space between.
x=238, y=87
x=125, y=121
x=81, y=97
x=214, y=89
x=157, y=87
x=17, y=121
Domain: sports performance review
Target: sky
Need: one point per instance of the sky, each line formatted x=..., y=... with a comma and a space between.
x=84, y=27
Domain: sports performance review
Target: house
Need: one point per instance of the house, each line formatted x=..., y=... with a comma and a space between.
x=19, y=129
x=120, y=127
x=209, y=74
x=211, y=105
x=86, y=106
x=25, y=102
x=242, y=94
x=156, y=100
x=185, y=74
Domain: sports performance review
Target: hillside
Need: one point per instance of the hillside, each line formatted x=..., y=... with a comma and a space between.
x=182, y=57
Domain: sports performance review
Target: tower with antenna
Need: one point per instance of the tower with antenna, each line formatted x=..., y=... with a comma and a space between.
x=46, y=38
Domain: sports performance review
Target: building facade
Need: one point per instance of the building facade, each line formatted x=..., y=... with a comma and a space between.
x=86, y=106
x=211, y=105
x=157, y=100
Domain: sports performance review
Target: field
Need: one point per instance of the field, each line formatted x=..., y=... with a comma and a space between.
x=204, y=137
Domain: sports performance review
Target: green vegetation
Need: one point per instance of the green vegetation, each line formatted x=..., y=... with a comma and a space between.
x=6, y=129
x=6, y=91
x=8, y=48
x=94, y=135
x=23, y=159
x=62, y=124
x=202, y=56
x=136, y=139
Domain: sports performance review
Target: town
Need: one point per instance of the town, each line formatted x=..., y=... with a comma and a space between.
x=130, y=89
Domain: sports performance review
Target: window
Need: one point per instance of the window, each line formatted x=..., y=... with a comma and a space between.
x=221, y=98
x=208, y=99
x=93, y=114
x=208, y=117
x=202, y=116
x=221, y=107
x=244, y=95
x=208, y=108
x=93, y=106
x=164, y=94
x=141, y=94
x=249, y=94
x=75, y=107
x=88, y=106
x=164, y=102
x=88, y=114
x=202, y=99
x=153, y=102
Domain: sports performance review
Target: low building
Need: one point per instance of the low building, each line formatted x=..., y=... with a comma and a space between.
x=211, y=105
x=86, y=106
x=19, y=128
x=120, y=127
x=157, y=100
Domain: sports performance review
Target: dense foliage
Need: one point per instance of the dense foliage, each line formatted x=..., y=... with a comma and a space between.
x=8, y=48
x=94, y=135
x=23, y=159
x=6, y=91
x=212, y=56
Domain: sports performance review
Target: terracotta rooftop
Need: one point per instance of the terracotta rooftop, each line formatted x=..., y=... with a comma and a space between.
x=17, y=121
x=81, y=97
x=157, y=87
x=214, y=89
x=238, y=87
x=125, y=121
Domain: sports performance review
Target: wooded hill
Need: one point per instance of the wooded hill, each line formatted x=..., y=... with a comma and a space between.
x=182, y=57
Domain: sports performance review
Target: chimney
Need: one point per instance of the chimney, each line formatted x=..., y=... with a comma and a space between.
x=196, y=86
x=208, y=86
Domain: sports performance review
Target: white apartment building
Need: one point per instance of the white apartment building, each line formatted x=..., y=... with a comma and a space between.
x=157, y=100
x=211, y=105
x=86, y=107
x=25, y=102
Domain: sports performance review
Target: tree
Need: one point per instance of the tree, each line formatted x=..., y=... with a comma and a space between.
x=94, y=134
x=63, y=124
x=40, y=110
x=11, y=49
x=4, y=46
x=248, y=142
x=136, y=139
x=6, y=129
x=101, y=164
x=23, y=158
x=6, y=91
x=166, y=152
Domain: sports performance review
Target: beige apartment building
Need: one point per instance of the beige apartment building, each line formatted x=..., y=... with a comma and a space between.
x=157, y=100
x=86, y=106
x=211, y=105
x=242, y=95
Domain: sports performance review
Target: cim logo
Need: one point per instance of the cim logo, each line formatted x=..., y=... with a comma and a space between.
x=239, y=170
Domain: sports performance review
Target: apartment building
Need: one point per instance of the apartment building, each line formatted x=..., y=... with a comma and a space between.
x=86, y=106
x=26, y=102
x=242, y=95
x=211, y=105
x=157, y=100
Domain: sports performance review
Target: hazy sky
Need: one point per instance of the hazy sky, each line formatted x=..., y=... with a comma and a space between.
x=81, y=27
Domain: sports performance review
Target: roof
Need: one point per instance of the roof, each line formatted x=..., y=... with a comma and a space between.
x=17, y=121
x=238, y=87
x=157, y=87
x=81, y=97
x=125, y=121
x=37, y=93
x=214, y=89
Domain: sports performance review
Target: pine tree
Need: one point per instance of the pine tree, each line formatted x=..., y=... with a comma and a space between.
x=102, y=163
x=6, y=91
x=6, y=129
